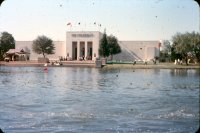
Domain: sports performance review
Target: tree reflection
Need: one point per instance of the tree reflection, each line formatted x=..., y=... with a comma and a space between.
x=184, y=72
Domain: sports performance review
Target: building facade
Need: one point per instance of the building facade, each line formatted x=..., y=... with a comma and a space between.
x=60, y=49
x=138, y=50
x=84, y=45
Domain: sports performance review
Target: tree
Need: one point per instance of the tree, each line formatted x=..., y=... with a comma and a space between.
x=104, y=49
x=6, y=42
x=166, y=51
x=109, y=46
x=187, y=44
x=113, y=45
x=197, y=51
x=166, y=46
x=175, y=55
x=195, y=42
x=182, y=45
x=43, y=45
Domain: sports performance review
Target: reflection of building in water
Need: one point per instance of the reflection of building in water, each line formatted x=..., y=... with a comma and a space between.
x=84, y=45
x=179, y=72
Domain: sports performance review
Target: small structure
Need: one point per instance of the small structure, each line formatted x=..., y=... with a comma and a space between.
x=98, y=63
x=43, y=60
x=17, y=55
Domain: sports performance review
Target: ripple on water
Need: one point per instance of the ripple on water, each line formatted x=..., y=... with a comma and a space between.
x=92, y=100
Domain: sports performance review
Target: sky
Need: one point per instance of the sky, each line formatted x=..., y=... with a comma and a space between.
x=125, y=19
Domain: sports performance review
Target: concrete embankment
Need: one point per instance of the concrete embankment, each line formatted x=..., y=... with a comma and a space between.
x=152, y=66
x=36, y=64
x=108, y=66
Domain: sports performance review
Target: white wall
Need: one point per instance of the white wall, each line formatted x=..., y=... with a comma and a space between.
x=27, y=46
x=137, y=50
x=131, y=50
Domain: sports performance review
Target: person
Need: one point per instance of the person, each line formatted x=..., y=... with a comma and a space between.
x=154, y=61
x=188, y=61
x=175, y=62
x=178, y=61
x=134, y=62
x=181, y=62
x=145, y=61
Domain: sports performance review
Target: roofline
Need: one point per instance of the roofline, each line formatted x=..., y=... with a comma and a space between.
x=138, y=40
x=81, y=31
x=32, y=41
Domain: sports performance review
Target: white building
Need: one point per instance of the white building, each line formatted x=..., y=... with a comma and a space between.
x=81, y=44
x=138, y=50
x=85, y=45
x=60, y=49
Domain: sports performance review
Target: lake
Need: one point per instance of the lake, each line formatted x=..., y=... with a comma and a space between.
x=88, y=100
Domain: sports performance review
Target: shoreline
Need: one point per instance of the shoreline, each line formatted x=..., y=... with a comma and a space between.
x=152, y=66
x=36, y=64
x=91, y=64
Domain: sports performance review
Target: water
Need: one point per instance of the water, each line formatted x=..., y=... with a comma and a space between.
x=88, y=100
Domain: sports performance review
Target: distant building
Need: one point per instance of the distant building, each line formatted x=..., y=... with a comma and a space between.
x=84, y=45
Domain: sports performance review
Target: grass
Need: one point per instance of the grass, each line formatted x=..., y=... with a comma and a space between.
x=130, y=65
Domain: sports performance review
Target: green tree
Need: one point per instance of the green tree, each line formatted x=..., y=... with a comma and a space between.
x=6, y=42
x=182, y=45
x=104, y=49
x=175, y=55
x=43, y=45
x=195, y=42
x=166, y=46
x=166, y=51
x=113, y=45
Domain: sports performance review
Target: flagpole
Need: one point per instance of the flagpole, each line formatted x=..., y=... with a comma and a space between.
x=99, y=27
x=69, y=24
x=95, y=25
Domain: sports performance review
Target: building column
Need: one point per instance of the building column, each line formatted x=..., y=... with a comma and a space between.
x=86, y=50
x=78, y=50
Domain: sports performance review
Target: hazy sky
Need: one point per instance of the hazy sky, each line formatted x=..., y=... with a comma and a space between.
x=125, y=19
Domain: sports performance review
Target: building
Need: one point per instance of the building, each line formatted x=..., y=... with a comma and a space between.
x=16, y=55
x=138, y=50
x=84, y=45
x=60, y=49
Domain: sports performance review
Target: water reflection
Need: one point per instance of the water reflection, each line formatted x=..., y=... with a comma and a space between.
x=96, y=100
x=184, y=72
